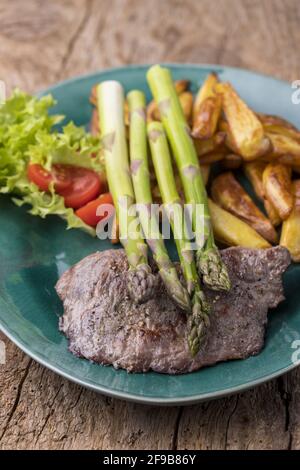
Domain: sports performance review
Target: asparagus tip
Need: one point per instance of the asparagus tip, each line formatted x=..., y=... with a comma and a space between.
x=213, y=270
x=198, y=322
x=141, y=283
x=175, y=289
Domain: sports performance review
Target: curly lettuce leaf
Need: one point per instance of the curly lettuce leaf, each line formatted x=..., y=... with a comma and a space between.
x=72, y=146
x=27, y=135
x=44, y=204
x=21, y=118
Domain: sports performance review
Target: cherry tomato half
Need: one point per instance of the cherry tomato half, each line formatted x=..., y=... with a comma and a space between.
x=42, y=178
x=88, y=214
x=85, y=187
x=77, y=185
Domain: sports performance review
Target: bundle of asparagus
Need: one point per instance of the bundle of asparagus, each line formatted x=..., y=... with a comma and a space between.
x=141, y=184
x=129, y=186
x=199, y=319
x=110, y=103
x=209, y=262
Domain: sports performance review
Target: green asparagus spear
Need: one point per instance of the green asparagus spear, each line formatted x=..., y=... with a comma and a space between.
x=110, y=103
x=199, y=319
x=209, y=261
x=141, y=185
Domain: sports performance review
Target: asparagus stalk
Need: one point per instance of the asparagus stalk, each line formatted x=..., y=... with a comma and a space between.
x=110, y=103
x=209, y=261
x=199, y=318
x=142, y=190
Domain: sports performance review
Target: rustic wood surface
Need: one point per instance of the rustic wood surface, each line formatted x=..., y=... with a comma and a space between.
x=42, y=42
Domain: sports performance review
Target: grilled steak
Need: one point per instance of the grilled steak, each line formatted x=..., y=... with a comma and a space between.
x=105, y=326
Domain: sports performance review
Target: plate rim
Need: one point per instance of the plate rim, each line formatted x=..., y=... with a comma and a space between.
x=145, y=65
x=137, y=398
x=148, y=400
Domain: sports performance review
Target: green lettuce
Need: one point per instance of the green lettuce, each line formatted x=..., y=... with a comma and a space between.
x=27, y=134
x=44, y=204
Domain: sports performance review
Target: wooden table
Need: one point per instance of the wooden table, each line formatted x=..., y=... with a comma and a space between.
x=43, y=42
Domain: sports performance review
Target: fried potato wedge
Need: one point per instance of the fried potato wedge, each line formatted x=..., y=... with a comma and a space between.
x=227, y=192
x=115, y=233
x=284, y=149
x=290, y=233
x=211, y=157
x=126, y=113
x=93, y=95
x=207, y=109
x=205, y=171
x=152, y=112
x=245, y=129
x=272, y=213
x=272, y=120
x=186, y=101
x=232, y=161
x=254, y=173
x=206, y=121
x=229, y=142
x=278, y=188
x=207, y=90
x=181, y=86
x=281, y=130
x=231, y=231
x=214, y=144
x=94, y=124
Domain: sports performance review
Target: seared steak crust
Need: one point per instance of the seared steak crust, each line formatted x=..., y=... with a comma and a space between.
x=104, y=325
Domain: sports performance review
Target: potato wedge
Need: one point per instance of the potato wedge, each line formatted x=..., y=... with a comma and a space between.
x=245, y=129
x=227, y=192
x=94, y=123
x=93, y=95
x=186, y=101
x=278, y=188
x=290, y=233
x=272, y=120
x=211, y=157
x=182, y=85
x=281, y=130
x=206, y=121
x=214, y=144
x=152, y=112
x=207, y=90
x=207, y=109
x=231, y=231
x=272, y=213
x=232, y=161
x=254, y=173
x=115, y=234
x=229, y=142
x=205, y=171
x=284, y=149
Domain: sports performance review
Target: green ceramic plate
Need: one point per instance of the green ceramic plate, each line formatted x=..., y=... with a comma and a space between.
x=35, y=252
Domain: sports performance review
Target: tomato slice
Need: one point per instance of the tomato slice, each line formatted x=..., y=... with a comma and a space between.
x=88, y=212
x=85, y=186
x=42, y=178
x=77, y=185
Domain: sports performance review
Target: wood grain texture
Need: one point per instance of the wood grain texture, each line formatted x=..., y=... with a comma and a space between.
x=42, y=42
